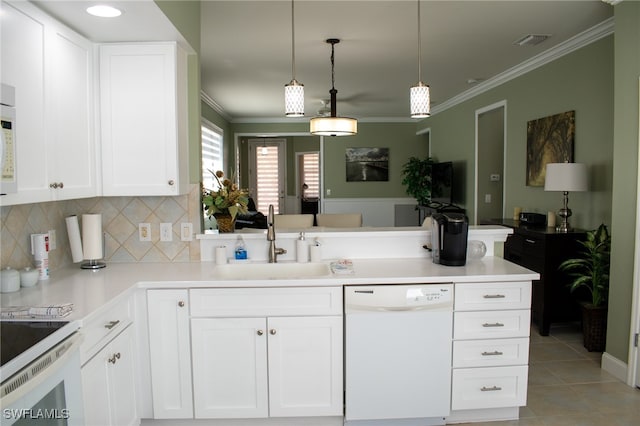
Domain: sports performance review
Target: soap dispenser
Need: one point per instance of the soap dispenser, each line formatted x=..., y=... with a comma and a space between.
x=302, y=251
x=240, y=251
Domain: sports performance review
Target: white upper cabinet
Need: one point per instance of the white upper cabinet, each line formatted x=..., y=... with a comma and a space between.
x=50, y=68
x=143, y=110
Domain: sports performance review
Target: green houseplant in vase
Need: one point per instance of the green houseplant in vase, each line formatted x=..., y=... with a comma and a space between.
x=225, y=202
x=417, y=177
x=591, y=271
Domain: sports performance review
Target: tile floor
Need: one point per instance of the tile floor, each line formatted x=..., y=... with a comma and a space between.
x=568, y=388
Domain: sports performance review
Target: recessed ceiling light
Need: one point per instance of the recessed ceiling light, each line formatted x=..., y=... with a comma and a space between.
x=104, y=11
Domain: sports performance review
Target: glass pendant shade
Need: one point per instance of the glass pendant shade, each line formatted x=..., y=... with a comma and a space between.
x=294, y=99
x=420, y=101
x=333, y=126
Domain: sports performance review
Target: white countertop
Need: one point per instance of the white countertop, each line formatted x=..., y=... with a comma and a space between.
x=90, y=290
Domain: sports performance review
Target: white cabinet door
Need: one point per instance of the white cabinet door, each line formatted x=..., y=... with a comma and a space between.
x=230, y=367
x=143, y=121
x=109, y=386
x=71, y=115
x=305, y=366
x=170, y=353
x=22, y=65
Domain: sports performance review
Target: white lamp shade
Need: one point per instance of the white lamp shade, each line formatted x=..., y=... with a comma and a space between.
x=566, y=177
x=294, y=99
x=333, y=126
x=420, y=101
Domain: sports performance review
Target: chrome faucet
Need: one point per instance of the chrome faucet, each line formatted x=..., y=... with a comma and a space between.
x=271, y=237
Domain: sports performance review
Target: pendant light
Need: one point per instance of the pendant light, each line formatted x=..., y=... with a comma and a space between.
x=333, y=125
x=420, y=96
x=294, y=91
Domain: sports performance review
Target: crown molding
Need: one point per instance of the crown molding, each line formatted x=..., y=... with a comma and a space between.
x=577, y=42
x=214, y=105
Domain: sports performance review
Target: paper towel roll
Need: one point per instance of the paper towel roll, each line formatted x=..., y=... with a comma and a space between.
x=92, y=236
x=73, y=230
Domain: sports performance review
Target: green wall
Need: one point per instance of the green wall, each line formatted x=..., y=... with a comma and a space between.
x=581, y=81
x=625, y=176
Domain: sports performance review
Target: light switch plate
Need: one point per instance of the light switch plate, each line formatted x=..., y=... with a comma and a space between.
x=166, y=232
x=186, y=231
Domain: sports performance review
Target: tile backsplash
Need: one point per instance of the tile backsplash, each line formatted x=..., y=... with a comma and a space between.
x=120, y=219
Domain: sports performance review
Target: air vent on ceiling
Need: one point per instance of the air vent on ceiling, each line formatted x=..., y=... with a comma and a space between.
x=531, y=39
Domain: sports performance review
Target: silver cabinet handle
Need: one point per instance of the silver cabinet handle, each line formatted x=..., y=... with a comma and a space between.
x=494, y=296
x=114, y=358
x=495, y=324
x=492, y=353
x=56, y=185
x=491, y=389
x=530, y=241
x=272, y=331
x=171, y=182
x=181, y=303
x=260, y=332
x=111, y=324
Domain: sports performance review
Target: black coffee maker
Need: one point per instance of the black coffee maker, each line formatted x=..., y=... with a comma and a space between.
x=449, y=238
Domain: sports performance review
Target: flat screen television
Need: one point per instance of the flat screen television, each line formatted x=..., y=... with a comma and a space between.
x=441, y=183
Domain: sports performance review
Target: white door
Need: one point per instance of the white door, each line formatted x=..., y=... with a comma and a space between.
x=305, y=366
x=230, y=365
x=267, y=177
x=170, y=353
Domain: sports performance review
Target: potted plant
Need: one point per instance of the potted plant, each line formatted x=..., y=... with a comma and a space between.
x=591, y=271
x=417, y=177
x=225, y=202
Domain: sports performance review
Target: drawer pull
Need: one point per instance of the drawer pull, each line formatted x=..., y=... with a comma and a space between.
x=530, y=241
x=114, y=358
x=111, y=324
x=491, y=389
x=495, y=324
x=492, y=353
x=494, y=296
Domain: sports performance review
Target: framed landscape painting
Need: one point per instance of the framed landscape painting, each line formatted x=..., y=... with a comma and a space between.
x=367, y=164
x=549, y=140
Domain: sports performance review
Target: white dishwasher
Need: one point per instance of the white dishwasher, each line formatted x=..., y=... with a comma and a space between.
x=398, y=342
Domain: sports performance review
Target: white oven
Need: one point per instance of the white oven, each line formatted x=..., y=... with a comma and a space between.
x=48, y=390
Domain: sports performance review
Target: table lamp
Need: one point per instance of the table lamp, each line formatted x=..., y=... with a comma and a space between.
x=565, y=177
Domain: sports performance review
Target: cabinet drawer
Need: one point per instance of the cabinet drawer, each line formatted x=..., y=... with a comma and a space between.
x=490, y=353
x=230, y=302
x=491, y=324
x=103, y=327
x=493, y=296
x=491, y=387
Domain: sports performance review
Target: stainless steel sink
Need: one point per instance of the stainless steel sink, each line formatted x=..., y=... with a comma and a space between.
x=271, y=271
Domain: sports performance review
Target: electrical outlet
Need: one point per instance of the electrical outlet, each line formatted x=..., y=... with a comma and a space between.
x=144, y=231
x=186, y=231
x=328, y=191
x=166, y=232
x=52, y=239
x=487, y=198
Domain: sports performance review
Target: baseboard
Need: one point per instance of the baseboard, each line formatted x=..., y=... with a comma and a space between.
x=614, y=366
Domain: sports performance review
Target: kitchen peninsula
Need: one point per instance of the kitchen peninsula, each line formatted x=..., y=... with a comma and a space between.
x=175, y=317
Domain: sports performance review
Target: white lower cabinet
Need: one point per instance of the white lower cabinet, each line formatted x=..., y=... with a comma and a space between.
x=282, y=363
x=170, y=353
x=490, y=348
x=109, y=386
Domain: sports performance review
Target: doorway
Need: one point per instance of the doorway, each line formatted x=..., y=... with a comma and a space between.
x=490, y=162
x=308, y=181
x=267, y=173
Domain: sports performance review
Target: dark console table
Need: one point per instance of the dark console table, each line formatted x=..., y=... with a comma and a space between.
x=542, y=249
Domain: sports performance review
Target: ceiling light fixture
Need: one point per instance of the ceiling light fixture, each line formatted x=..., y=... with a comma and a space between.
x=104, y=11
x=333, y=125
x=420, y=95
x=294, y=91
